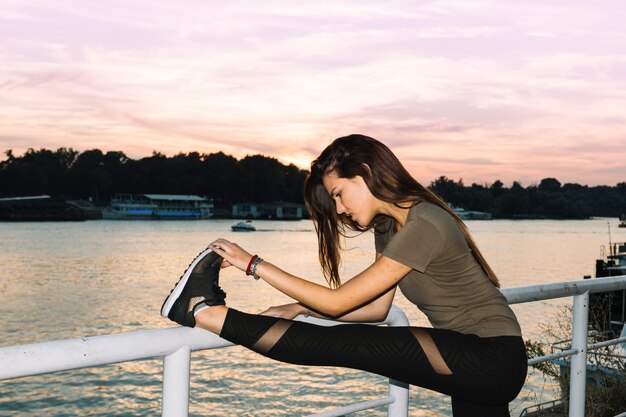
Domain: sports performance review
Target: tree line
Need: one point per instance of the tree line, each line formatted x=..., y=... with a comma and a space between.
x=549, y=199
x=96, y=175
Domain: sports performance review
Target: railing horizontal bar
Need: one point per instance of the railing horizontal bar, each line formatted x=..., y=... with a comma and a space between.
x=621, y=415
x=515, y=295
x=64, y=355
x=553, y=356
x=571, y=352
x=68, y=354
x=606, y=343
x=365, y=405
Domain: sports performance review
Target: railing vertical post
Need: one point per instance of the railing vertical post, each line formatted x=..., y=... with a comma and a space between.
x=399, y=391
x=578, y=371
x=176, y=383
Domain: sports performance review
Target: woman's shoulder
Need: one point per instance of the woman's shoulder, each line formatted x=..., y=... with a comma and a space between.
x=429, y=212
x=422, y=216
x=436, y=217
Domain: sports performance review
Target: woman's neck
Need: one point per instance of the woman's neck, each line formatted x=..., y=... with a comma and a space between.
x=399, y=214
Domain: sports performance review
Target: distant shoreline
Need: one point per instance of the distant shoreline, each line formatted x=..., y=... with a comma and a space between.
x=96, y=176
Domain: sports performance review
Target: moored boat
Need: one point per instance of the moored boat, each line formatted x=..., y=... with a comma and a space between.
x=470, y=215
x=157, y=206
x=608, y=310
x=46, y=208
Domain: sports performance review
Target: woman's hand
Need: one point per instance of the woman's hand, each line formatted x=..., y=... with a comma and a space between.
x=236, y=256
x=232, y=253
x=286, y=311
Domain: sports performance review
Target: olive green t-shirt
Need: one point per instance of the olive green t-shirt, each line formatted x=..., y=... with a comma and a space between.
x=446, y=282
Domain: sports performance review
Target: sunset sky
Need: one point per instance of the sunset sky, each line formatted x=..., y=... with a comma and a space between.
x=471, y=89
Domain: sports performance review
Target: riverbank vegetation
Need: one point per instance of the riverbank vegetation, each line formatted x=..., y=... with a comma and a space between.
x=549, y=199
x=98, y=175
x=605, y=394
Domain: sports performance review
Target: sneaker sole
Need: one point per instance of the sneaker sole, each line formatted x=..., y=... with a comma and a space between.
x=180, y=285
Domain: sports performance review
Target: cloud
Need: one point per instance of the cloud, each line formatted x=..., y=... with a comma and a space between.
x=479, y=89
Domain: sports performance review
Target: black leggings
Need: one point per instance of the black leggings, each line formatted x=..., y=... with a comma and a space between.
x=482, y=375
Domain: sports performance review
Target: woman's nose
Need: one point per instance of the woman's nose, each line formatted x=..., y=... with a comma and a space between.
x=340, y=208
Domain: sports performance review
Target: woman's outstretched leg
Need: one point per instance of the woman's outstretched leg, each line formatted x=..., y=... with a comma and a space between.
x=476, y=372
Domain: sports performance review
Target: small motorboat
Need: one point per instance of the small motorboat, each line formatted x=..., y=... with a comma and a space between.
x=246, y=226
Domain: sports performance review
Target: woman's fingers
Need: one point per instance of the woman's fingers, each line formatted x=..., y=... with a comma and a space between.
x=219, y=244
x=273, y=312
x=285, y=311
x=232, y=253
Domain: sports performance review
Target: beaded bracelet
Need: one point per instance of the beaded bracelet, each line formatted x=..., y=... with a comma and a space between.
x=251, y=270
x=256, y=262
x=250, y=264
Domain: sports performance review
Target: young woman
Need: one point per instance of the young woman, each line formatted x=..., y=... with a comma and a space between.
x=474, y=352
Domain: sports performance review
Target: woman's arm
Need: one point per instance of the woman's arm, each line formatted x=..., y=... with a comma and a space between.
x=379, y=278
x=376, y=311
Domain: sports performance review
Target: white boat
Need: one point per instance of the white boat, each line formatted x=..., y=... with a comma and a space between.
x=246, y=226
x=470, y=215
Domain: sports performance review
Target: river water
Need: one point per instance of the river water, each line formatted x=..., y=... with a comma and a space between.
x=67, y=280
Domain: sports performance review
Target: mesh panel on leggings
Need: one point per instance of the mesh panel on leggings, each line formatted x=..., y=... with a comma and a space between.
x=271, y=337
x=430, y=350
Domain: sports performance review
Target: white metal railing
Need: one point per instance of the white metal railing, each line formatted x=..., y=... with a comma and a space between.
x=580, y=290
x=175, y=346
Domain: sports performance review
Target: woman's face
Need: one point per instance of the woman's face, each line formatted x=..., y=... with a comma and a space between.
x=351, y=197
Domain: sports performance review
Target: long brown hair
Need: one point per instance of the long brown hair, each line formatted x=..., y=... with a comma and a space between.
x=386, y=179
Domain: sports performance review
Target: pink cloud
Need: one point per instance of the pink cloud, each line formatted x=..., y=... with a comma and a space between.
x=480, y=90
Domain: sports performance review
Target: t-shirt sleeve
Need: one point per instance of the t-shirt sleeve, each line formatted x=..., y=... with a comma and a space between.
x=415, y=245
